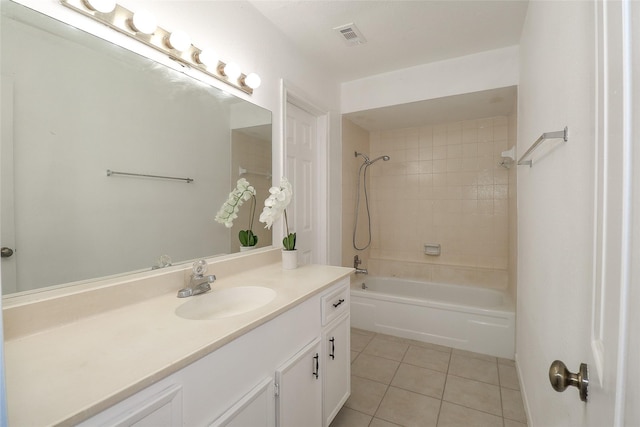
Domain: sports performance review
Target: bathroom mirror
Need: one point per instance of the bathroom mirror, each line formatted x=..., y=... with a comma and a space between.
x=75, y=107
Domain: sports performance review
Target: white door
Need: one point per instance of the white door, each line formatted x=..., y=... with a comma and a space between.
x=301, y=170
x=7, y=229
x=575, y=207
x=607, y=347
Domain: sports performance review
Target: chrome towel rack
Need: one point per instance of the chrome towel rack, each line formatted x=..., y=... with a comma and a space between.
x=242, y=171
x=111, y=173
x=564, y=134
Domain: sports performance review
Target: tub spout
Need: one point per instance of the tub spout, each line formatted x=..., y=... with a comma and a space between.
x=356, y=262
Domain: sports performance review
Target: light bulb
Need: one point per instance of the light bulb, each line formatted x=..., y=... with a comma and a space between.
x=103, y=6
x=208, y=58
x=143, y=22
x=252, y=80
x=232, y=71
x=179, y=40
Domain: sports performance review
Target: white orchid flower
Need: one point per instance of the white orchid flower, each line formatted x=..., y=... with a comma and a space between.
x=229, y=210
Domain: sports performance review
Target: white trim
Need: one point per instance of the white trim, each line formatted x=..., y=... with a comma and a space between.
x=627, y=221
x=294, y=96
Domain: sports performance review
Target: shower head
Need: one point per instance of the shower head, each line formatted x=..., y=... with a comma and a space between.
x=385, y=158
x=370, y=162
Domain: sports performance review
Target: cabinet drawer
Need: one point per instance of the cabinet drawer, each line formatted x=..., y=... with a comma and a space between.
x=335, y=302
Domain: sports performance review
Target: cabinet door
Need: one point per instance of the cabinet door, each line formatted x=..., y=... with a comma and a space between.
x=149, y=408
x=255, y=409
x=337, y=367
x=299, y=389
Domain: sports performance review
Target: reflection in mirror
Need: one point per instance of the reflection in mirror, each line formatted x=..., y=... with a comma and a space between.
x=75, y=106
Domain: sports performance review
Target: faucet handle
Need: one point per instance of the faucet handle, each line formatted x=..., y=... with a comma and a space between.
x=199, y=267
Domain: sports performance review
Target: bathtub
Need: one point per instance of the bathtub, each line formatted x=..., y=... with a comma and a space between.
x=464, y=317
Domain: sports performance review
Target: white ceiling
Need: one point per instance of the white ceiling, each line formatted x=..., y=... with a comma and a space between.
x=403, y=34
x=399, y=33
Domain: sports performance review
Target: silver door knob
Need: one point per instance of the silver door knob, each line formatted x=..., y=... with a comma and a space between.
x=6, y=252
x=561, y=378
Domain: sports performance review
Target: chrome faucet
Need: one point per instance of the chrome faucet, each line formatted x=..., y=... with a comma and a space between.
x=356, y=262
x=198, y=282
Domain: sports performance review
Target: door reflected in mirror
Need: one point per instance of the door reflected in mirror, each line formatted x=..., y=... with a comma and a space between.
x=75, y=106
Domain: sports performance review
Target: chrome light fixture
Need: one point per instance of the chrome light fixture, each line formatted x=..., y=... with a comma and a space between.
x=142, y=26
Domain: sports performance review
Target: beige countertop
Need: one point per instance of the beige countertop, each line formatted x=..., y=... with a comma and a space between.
x=69, y=372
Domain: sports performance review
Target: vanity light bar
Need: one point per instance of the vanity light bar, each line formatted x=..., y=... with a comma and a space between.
x=176, y=45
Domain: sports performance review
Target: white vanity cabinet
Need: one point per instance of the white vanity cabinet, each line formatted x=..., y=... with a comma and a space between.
x=287, y=373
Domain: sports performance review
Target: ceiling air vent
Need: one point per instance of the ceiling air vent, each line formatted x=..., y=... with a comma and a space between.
x=350, y=34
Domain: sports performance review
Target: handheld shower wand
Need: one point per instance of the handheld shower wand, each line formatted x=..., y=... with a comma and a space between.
x=363, y=172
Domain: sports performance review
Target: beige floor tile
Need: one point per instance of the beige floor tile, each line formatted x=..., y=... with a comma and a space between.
x=347, y=417
x=380, y=347
x=377, y=422
x=508, y=362
x=419, y=380
x=508, y=377
x=511, y=423
x=374, y=368
x=366, y=395
x=427, y=358
x=417, y=343
x=470, y=391
x=393, y=338
x=474, y=369
x=429, y=345
x=359, y=341
x=473, y=394
x=512, y=407
x=408, y=409
x=475, y=355
x=362, y=331
x=456, y=416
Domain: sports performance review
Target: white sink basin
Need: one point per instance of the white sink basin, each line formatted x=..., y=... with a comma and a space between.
x=223, y=303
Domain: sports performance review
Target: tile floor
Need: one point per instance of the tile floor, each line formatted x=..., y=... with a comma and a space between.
x=400, y=382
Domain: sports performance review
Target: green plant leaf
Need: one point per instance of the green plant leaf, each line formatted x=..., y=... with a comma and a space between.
x=247, y=238
x=289, y=242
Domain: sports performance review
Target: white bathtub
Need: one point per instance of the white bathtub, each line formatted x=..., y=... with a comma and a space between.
x=469, y=318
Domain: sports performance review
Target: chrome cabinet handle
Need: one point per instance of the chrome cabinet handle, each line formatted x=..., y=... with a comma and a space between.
x=561, y=378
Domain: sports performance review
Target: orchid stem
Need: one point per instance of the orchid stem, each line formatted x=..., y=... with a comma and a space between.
x=286, y=223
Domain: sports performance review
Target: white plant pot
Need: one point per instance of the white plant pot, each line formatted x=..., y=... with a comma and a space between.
x=289, y=259
x=246, y=248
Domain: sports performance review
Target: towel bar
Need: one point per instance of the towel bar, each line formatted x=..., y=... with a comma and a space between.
x=110, y=173
x=564, y=134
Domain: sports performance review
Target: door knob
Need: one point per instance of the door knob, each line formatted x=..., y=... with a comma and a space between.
x=561, y=378
x=6, y=252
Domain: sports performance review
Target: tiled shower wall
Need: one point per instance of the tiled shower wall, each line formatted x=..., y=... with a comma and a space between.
x=443, y=185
